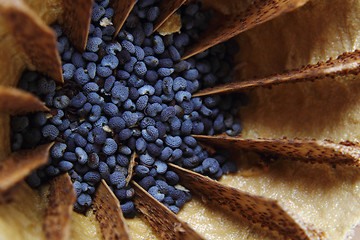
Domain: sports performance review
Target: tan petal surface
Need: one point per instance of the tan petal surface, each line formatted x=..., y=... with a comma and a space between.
x=167, y=8
x=264, y=212
x=14, y=101
x=131, y=168
x=345, y=64
x=161, y=218
x=108, y=213
x=34, y=38
x=20, y=164
x=257, y=13
x=57, y=223
x=122, y=10
x=75, y=21
x=305, y=150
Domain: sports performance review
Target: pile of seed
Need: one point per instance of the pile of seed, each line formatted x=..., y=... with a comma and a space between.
x=131, y=95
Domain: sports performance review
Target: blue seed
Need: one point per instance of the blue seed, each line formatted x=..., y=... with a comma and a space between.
x=111, y=109
x=164, y=72
x=158, y=44
x=50, y=131
x=70, y=156
x=150, y=134
x=81, y=76
x=103, y=71
x=171, y=178
x=129, y=105
x=165, y=63
x=81, y=155
x=140, y=69
x=65, y=166
x=154, y=191
x=167, y=113
x=95, y=113
x=141, y=170
x=128, y=208
x=182, y=66
x=57, y=151
x=140, y=145
x=180, y=96
x=52, y=171
x=68, y=71
x=152, y=13
x=142, y=102
x=211, y=165
x=118, y=178
x=129, y=46
x=160, y=166
x=77, y=60
x=116, y=123
x=77, y=188
x=112, y=48
x=166, y=154
x=104, y=170
x=147, y=159
x=84, y=200
x=139, y=53
x=147, y=182
x=93, y=44
x=92, y=177
x=91, y=69
x=110, y=146
x=120, y=93
x=110, y=61
x=151, y=61
x=122, y=160
x=125, y=134
x=90, y=56
x=97, y=13
x=91, y=87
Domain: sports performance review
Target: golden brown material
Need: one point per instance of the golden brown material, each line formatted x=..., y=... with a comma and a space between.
x=345, y=64
x=131, y=168
x=264, y=212
x=108, y=213
x=167, y=8
x=122, y=10
x=57, y=224
x=172, y=25
x=34, y=38
x=161, y=218
x=257, y=13
x=14, y=101
x=20, y=164
x=76, y=21
x=312, y=151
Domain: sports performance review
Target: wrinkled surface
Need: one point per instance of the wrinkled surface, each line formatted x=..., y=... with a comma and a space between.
x=326, y=109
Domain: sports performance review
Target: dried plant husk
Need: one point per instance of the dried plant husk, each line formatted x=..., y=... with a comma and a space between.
x=324, y=197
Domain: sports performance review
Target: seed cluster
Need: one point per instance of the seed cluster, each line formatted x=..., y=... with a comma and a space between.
x=131, y=95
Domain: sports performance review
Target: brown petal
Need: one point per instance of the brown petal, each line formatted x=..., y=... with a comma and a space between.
x=76, y=21
x=20, y=164
x=34, y=38
x=58, y=213
x=307, y=150
x=265, y=212
x=131, y=168
x=122, y=10
x=108, y=213
x=257, y=13
x=167, y=8
x=347, y=63
x=164, y=221
x=15, y=101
